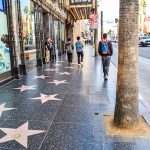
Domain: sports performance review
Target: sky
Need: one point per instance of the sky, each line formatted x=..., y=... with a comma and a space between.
x=110, y=9
x=148, y=8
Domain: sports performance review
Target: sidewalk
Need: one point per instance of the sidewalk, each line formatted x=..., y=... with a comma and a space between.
x=62, y=110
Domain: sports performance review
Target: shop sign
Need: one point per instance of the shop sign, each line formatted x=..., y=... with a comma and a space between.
x=4, y=43
x=94, y=19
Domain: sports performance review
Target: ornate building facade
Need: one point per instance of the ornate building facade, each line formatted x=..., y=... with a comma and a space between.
x=26, y=24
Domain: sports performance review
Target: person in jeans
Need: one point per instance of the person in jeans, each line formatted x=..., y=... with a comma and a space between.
x=69, y=47
x=79, y=49
x=105, y=49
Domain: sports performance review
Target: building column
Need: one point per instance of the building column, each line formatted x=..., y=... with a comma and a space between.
x=22, y=66
x=46, y=24
x=59, y=38
x=38, y=35
x=53, y=35
x=12, y=39
x=70, y=33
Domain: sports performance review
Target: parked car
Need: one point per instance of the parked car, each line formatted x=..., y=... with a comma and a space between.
x=144, y=40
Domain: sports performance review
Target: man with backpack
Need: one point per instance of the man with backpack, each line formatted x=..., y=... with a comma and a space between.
x=105, y=49
x=69, y=47
x=79, y=49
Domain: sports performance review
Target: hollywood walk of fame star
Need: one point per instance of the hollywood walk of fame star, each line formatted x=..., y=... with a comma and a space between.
x=57, y=65
x=61, y=61
x=59, y=82
x=20, y=134
x=3, y=108
x=44, y=98
x=51, y=69
x=65, y=73
x=70, y=67
x=24, y=88
x=41, y=77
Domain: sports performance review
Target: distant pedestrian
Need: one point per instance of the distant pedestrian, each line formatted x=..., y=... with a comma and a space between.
x=69, y=47
x=50, y=47
x=105, y=49
x=79, y=50
x=47, y=54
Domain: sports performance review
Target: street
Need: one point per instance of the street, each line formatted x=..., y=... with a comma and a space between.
x=144, y=70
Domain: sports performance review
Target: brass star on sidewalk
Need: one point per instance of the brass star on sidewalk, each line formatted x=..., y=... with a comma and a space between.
x=59, y=82
x=20, y=134
x=57, y=65
x=51, y=69
x=24, y=88
x=65, y=73
x=70, y=67
x=3, y=108
x=61, y=61
x=44, y=98
x=41, y=77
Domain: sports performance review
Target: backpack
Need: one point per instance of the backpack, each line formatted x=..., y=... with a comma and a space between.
x=69, y=48
x=79, y=45
x=104, y=48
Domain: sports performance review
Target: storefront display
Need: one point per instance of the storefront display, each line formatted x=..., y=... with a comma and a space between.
x=4, y=44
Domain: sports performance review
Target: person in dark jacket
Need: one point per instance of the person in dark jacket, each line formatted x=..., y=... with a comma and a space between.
x=69, y=47
x=105, y=50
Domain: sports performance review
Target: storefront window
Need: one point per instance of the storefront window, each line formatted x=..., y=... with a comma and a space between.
x=4, y=43
x=28, y=30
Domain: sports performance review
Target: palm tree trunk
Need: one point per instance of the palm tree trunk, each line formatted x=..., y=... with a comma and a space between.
x=126, y=110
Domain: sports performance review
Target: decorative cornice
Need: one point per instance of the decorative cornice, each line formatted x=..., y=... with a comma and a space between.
x=53, y=8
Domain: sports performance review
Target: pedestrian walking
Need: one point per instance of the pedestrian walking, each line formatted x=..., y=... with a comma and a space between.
x=69, y=47
x=51, y=49
x=79, y=50
x=47, y=54
x=105, y=50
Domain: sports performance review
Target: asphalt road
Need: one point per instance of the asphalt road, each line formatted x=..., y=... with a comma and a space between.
x=144, y=70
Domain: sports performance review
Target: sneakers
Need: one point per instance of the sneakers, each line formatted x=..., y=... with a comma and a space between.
x=80, y=64
x=106, y=77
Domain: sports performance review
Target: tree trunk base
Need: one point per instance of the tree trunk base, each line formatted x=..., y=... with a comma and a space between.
x=141, y=129
x=121, y=122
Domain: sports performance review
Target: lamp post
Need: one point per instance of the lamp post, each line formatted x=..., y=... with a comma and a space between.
x=101, y=24
x=96, y=34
